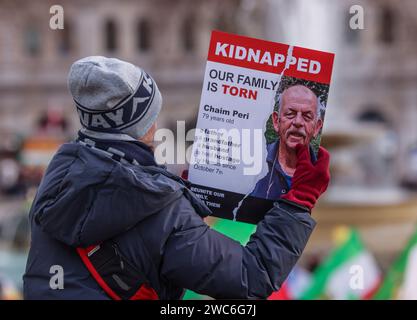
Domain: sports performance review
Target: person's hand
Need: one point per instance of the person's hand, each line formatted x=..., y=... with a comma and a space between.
x=309, y=180
x=184, y=174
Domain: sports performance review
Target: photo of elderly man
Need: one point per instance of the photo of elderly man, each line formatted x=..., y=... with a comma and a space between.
x=296, y=120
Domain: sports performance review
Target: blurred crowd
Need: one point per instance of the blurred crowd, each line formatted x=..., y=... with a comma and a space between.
x=23, y=160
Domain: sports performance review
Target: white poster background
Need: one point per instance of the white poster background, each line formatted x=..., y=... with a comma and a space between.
x=259, y=112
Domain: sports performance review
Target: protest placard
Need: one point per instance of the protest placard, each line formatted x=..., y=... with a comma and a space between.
x=259, y=100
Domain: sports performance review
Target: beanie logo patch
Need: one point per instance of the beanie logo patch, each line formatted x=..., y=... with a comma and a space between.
x=123, y=115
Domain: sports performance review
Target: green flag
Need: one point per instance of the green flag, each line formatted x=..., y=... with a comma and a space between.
x=401, y=280
x=349, y=271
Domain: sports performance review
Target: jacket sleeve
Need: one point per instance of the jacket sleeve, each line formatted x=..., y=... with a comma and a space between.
x=205, y=261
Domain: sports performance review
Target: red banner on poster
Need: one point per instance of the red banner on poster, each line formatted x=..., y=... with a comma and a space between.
x=271, y=57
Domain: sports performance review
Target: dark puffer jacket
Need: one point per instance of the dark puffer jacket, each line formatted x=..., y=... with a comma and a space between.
x=86, y=197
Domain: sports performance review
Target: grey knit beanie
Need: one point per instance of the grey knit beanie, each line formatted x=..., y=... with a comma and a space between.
x=114, y=94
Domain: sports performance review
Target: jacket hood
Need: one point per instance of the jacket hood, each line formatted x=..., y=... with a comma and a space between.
x=86, y=197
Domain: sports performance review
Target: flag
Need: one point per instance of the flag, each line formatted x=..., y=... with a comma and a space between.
x=349, y=272
x=401, y=280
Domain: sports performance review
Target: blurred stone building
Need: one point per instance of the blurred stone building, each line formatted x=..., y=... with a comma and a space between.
x=375, y=73
x=169, y=39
